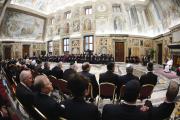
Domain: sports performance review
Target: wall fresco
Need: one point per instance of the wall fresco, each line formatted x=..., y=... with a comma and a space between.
x=20, y=25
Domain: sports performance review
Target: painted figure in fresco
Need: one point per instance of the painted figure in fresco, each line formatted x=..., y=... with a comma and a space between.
x=87, y=25
x=117, y=24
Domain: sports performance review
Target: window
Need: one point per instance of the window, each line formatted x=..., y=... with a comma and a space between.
x=67, y=14
x=116, y=8
x=88, y=43
x=66, y=44
x=52, y=20
x=50, y=47
x=88, y=10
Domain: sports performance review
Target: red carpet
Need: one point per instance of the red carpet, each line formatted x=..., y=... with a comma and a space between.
x=171, y=75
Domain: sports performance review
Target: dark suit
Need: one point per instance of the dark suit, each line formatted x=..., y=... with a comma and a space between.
x=57, y=72
x=24, y=95
x=48, y=106
x=78, y=109
x=67, y=73
x=163, y=111
x=149, y=78
x=123, y=112
x=109, y=77
x=46, y=71
x=126, y=78
x=93, y=81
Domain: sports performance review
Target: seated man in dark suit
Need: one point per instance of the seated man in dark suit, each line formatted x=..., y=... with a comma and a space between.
x=57, y=71
x=165, y=109
x=46, y=69
x=109, y=75
x=130, y=111
x=24, y=89
x=129, y=76
x=149, y=77
x=68, y=72
x=47, y=105
x=77, y=108
x=127, y=110
x=92, y=78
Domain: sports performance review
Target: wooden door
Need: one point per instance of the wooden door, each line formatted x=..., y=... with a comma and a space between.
x=160, y=54
x=7, y=52
x=119, y=52
x=26, y=51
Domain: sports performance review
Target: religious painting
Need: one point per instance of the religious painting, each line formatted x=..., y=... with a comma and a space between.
x=87, y=25
x=118, y=24
x=20, y=25
x=66, y=28
x=76, y=26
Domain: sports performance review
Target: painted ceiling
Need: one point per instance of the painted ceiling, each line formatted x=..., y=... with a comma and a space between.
x=50, y=6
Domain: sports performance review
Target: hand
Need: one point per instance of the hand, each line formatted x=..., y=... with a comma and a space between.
x=144, y=108
x=4, y=111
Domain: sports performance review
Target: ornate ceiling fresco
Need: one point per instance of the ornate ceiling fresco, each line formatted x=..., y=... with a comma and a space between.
x=49, y=6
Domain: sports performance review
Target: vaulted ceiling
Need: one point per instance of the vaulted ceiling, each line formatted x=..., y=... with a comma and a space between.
x=49, y=6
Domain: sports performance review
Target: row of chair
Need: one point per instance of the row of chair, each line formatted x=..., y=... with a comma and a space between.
x=107, y=90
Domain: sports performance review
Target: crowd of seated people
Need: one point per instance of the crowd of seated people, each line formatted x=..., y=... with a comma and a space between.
x=36, y=93
x=80, y=58
x=132, y=59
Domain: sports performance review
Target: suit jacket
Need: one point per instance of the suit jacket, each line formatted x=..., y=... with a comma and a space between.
x=109, y=77
x=93, y=81
x=48, y=106
x=149, y=78
x=46, y=71
x=126, y=78
x=123, y=112
x=25, y=95
x=163, y=111
x=57, y=72
x=67, y=73
x=78, y=109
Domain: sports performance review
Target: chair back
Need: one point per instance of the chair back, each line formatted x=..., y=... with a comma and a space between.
x=90, y=91
x=146, y=91
x=54, y=81
x=106, y=90
x=122, y=90
x=63, y=86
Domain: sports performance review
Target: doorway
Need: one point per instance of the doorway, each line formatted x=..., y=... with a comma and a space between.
x=7, y=52
x=160, y=54
x=119, y=51
x=25, y=51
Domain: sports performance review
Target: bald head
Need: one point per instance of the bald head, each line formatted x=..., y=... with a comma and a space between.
x=129, y=69
x=172, y=91
x=26, y=77
x=42, y=84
